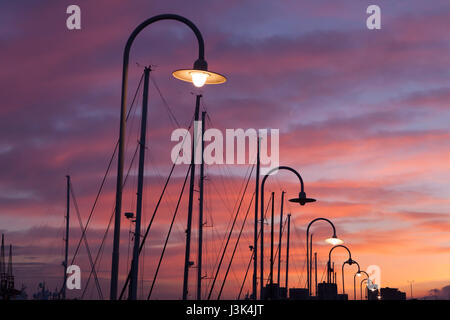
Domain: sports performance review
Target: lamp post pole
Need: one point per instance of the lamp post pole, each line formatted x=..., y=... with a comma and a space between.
x=333, y=240
x=302, y=200
x=200, y=63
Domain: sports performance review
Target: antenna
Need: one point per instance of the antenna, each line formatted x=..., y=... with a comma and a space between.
x=411, y=287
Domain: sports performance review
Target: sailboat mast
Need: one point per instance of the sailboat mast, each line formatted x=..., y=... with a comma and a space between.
x=132, y=293
x=66, y=239
x=200, y=216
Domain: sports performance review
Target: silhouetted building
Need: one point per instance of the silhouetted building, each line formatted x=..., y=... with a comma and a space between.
x=327, y=291
x=274, y=292
x=298, y=294
x=271, y=292
x=282, y=293
x=372, y=294
x=391, y=294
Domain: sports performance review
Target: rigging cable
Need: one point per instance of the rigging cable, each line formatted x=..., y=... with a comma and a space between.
x=168, y=234
x=106, y=174
x=235, y=247
x=85, y=241
x=229, y=234
x=164, y=189
x=144, y=238
x=100, y=250
x=246, y=273
x=252, y=255
x=276, y=252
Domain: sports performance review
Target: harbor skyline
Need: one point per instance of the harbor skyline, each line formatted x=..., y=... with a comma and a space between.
x=363, y=116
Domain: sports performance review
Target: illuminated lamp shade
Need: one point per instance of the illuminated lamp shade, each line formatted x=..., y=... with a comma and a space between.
x=199, y=77
x=334, y=241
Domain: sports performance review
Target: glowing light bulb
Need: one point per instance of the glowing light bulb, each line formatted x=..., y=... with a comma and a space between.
x=358, y=274
x=199, y=78
x=334, y=241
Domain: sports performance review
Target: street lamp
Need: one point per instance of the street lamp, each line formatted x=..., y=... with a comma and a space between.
x=360, y=287
x=369, y=283
x=349, y=262
x=329, y=259
x=199, y=75
x=334, y=240
x=358, y=273
x=302, y=200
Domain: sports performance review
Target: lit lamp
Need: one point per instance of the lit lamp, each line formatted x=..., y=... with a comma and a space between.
x=350, y=262
x=199, y=75
x=334, y=240
x=302, y=200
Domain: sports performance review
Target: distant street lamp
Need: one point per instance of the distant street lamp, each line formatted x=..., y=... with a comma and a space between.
x=302, y=200
x=199, y=76
x=329, y=259
x=334, y=240
x=369, y=282
x=349, y=262
x=360, y=287
x=358, y=273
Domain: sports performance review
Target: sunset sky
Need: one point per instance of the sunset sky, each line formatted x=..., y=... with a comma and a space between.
x=363, y=116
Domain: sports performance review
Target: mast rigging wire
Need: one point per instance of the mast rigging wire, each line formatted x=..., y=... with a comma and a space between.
x=105, y=175
x=99, y=252
x=252, y=255
x=168, y=234
x=235, y=247
x=151, y=220
x=85, y=240
x=229, y=234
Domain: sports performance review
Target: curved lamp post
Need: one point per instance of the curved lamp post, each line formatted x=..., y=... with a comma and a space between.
x=358, y=273
x=349, y=262
x=302, y=200
x=334, y=240
x=198, y=75
x=369, y=283
x=360, y=287
x=329, y=259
